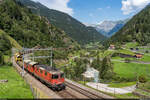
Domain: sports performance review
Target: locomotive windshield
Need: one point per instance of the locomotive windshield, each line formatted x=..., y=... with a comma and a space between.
x=54, y=76
x=62, y=75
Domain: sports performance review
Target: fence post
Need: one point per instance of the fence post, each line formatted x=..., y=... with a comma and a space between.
x=114, y=92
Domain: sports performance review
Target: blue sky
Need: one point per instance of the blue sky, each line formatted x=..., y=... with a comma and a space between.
x=95, y=11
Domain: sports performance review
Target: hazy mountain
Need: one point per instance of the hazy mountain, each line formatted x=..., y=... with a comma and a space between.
x=75, y=29
x=109, y=28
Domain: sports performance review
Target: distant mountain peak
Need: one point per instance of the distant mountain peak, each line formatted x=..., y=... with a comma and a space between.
x=108, y=27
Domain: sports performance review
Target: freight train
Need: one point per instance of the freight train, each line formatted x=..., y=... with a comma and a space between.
x=52, y=77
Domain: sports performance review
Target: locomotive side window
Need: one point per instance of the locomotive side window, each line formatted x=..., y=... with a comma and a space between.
x=40, y=70
x=62, y=75
x=45, y=73
x=37, y=69
x=54, y=76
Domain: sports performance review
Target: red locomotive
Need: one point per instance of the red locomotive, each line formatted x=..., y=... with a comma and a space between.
x=54, y=78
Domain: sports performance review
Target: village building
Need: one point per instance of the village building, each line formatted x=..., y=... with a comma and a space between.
x=138, y=56
x=91, y=74
x=112, y=46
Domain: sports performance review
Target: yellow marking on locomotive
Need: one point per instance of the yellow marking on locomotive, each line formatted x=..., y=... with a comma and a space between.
x=18, y=57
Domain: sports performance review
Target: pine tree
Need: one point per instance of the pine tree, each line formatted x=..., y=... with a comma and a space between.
x=106, y=71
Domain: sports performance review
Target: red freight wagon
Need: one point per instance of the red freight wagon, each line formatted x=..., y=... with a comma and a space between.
x=31, y=66
x=26, y=62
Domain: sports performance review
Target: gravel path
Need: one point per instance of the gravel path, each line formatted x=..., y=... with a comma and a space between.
x=105, y=88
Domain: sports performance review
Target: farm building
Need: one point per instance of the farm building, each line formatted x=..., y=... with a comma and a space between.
x=112, y=46
x=91, y=74
x=139, y=55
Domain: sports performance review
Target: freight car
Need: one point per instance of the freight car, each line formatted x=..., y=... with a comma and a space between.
x=52, y=77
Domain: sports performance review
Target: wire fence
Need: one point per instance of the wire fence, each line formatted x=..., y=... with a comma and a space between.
x=37, y=93
x=104, y=89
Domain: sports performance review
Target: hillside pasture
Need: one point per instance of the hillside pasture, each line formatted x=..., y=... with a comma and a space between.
x=15, y=87
x=131, y=45
x=131, y=70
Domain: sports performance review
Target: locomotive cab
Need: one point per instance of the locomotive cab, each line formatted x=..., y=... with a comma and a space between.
x=58, y=81
x=51, y=76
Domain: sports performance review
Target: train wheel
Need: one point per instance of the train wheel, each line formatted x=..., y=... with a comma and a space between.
x=64, y=88
x=54, y=89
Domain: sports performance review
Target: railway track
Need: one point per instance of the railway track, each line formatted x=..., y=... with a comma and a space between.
x=66, y=94
x=89, y=94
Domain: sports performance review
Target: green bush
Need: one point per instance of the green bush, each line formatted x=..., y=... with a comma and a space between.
x=146, y=51
x=1, y=58
x=142, y=79
x=115, y=55
x=9, y=64
x=127, y=60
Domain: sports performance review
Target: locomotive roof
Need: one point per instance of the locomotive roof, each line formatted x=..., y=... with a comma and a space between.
x=33, y=63
x=27, y=61
x=49, y=69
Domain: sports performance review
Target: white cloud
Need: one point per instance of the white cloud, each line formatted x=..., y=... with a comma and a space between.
x=99, y=8
x=61, y=5
x=130, y=6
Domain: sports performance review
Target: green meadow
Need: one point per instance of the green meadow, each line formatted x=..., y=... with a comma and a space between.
x=131, y=70
x=16, y=87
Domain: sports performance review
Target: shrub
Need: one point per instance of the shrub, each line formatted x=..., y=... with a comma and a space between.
x=127, y=60
x=142, y=79
x=9, y=64
x=1, y=58
x=115, y=55
x=146, y=51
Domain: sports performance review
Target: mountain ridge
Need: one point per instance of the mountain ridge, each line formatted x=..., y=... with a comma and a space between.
x=74, y=29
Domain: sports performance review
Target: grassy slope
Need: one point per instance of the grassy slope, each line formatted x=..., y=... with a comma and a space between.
x=16, y=86
x=7, y=59
x=129, y=70
x=124, y=51
x=13, y=42
x=131, y=45
x=146, y=58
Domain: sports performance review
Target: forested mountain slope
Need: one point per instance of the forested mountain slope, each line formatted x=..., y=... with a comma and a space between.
x=138, y=29
x=75, y=29
x=29, y=29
